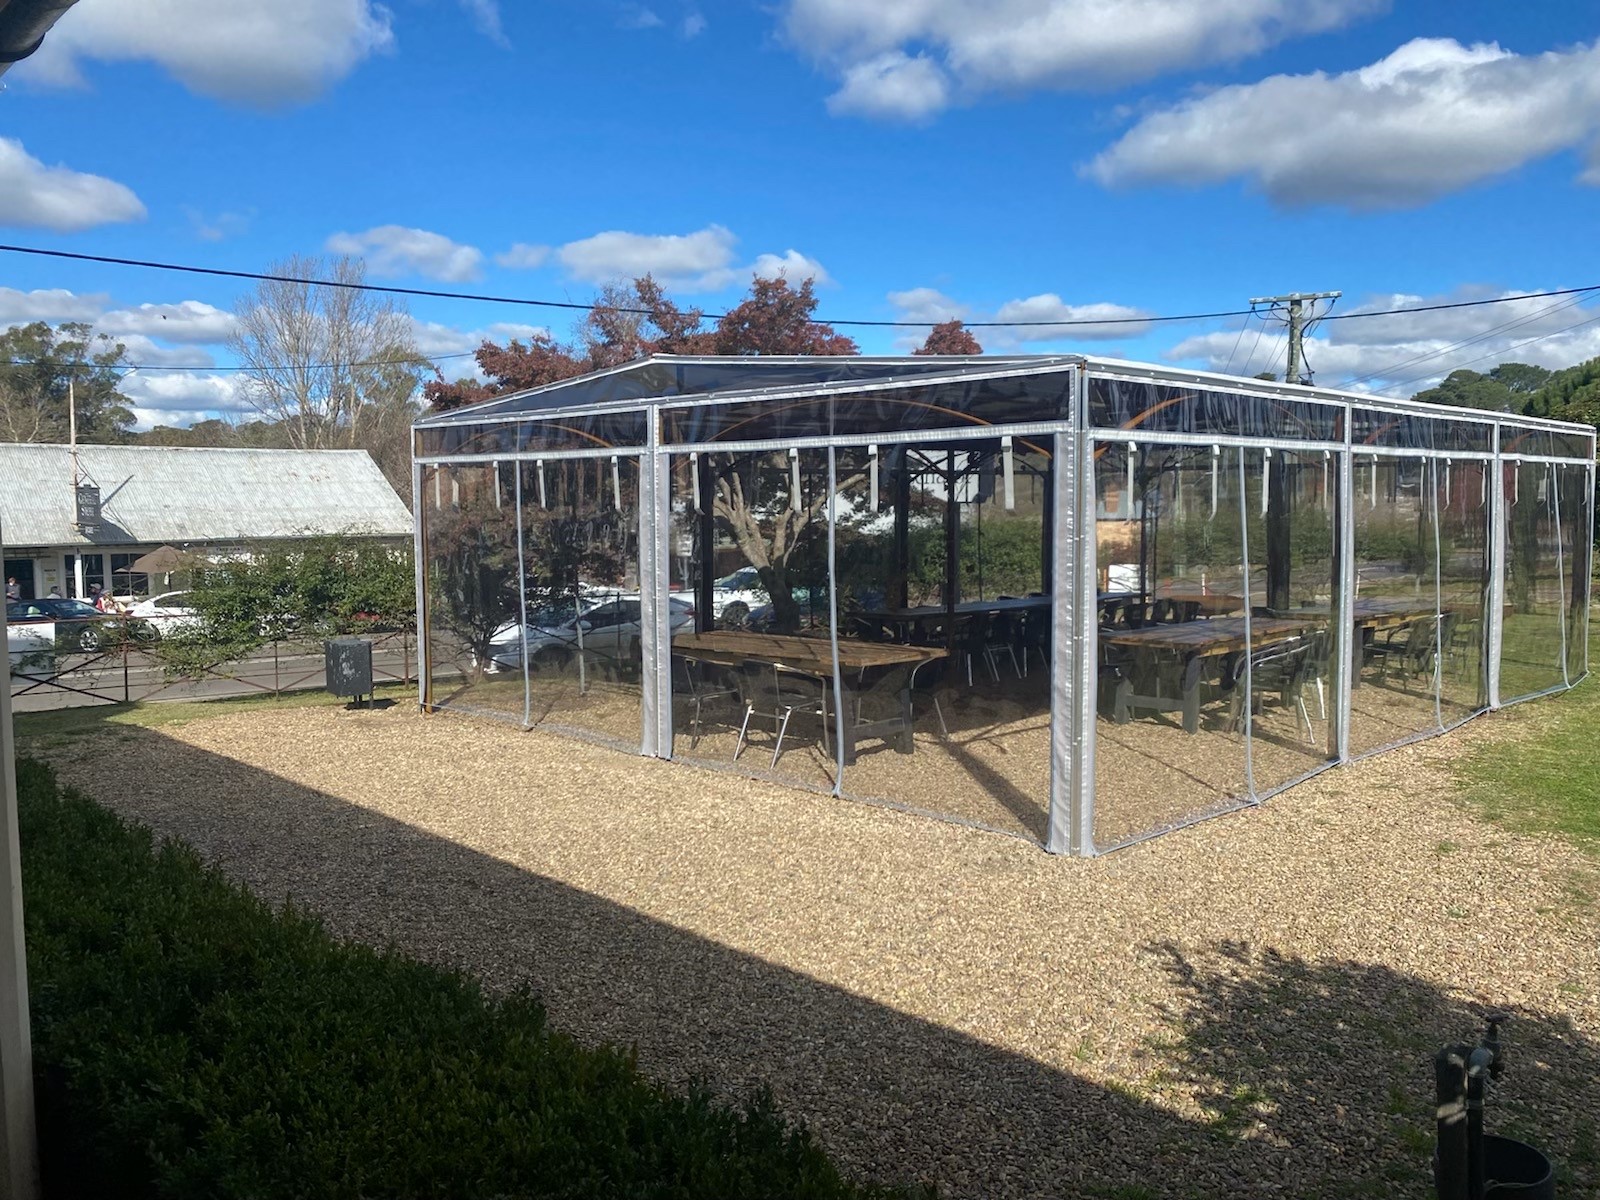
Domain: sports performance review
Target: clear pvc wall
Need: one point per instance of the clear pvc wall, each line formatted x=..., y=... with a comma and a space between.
x=1078, y=603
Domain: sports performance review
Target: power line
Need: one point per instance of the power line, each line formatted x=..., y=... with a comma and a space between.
x=422, y=361
x=1383, y=372
x=1394, y=312
x=434, y=294
x=1505, y=349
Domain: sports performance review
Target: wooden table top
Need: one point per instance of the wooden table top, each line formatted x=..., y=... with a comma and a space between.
x=731, y=647
x=1218, y=635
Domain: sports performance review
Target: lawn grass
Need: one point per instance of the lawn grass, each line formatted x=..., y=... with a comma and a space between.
x=1546, y=779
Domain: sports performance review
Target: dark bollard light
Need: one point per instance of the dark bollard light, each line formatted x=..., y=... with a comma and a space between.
x=1469, y=1164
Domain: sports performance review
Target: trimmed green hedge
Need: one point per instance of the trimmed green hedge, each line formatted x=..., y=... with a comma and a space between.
x=190, y=1041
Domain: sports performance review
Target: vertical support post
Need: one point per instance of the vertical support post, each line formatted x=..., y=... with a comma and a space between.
x=419, y=552
x=522, y=597
x=900, y=583
x=1074, y=638
x=19, y=1151
x=1346, y=644
x=1497, y=566
x=1275, y=498
x=952, y=536
x=655, y=554
x=702, y=483
x=1047, y=530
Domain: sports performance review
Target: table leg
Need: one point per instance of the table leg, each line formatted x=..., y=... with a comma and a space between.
x=1191, y=697
x=905, y=743
x=847, y=706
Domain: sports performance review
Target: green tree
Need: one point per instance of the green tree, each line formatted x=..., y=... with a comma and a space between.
x=37, y=363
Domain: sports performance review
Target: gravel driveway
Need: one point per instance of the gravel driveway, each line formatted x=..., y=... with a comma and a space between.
x=1247, y=1007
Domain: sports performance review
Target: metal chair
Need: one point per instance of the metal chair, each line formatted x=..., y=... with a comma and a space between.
x=699, y=691
x=779, y=692
x=1412, y=646
x=1284, y=668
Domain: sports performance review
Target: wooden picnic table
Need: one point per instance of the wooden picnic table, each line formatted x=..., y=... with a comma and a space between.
x=1192, y=642
x=893, y=663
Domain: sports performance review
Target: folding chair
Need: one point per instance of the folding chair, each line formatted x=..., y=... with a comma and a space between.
x=779, y=692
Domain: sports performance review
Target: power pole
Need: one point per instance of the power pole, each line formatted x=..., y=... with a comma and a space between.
x=1295, y=302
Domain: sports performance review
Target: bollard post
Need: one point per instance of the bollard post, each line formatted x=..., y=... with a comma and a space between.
x=1450, y=1154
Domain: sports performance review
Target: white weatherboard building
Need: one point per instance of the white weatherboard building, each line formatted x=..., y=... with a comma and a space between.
x=203, y=500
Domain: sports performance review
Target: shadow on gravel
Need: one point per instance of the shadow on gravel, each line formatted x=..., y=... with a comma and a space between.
x=1274, y=1045
x=1334, y=1062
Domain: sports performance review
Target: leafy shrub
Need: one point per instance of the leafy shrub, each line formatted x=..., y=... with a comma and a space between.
x=318, y=588
x=190, y=1041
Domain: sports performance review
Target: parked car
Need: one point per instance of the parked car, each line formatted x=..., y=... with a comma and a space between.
x=165, y=613
x=609, y=628
x=53, y=623
x=735, y=597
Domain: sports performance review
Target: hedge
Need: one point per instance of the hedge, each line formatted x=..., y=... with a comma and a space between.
x=192, y=1041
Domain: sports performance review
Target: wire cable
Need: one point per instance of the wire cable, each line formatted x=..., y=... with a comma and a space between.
x=434, y=294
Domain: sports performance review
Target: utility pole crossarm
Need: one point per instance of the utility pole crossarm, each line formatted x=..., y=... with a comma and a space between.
x=1295, y=302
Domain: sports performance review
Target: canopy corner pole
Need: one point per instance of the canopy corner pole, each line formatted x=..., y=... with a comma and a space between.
x=795, y=503
x=1008, y=474
x=872, y=479
x=419, y=554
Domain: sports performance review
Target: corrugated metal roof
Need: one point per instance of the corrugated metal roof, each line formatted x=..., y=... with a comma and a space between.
x=179, y=494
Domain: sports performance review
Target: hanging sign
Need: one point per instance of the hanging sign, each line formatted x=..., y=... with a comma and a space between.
x=88, y=507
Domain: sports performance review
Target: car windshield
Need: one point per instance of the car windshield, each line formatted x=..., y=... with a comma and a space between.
x=746, y=577
x=74, y=608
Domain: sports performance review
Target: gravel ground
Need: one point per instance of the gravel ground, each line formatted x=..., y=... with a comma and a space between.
x=1247, y=1007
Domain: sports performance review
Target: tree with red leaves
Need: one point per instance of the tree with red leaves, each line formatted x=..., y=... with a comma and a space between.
x=639, y=320
x=776, y=319
x=950, y=337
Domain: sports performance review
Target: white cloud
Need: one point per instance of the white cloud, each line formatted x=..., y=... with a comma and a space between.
x=188, y=321
x=927, y=304
x=47, y=304
x=435, y=340
x=59, y=198
x=892, y=86
x=485, y=16
x=397, y=250
x=1050, y=308
x=182, y=397
x=790, y=265
x=523, y=257
x=703, y=261
x=265, y=55
x=1431, y=118
x=691, y=262
x=146, y=351
x=637, y=16
x=693, y=25
x=1406, y=353
x=215, y=229
x=908, y=58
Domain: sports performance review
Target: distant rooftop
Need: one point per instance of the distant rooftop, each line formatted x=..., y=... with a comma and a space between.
x=181, y=494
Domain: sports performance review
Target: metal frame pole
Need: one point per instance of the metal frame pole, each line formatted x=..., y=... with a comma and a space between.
x=420, y=565
x=19, y=1150
x=1497, y=570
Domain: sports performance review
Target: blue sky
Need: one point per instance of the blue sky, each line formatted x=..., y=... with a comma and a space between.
x=1015, y=159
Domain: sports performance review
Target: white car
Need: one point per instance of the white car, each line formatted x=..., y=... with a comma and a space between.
x=167, y=612
x=734, y=597
x=610, y=629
